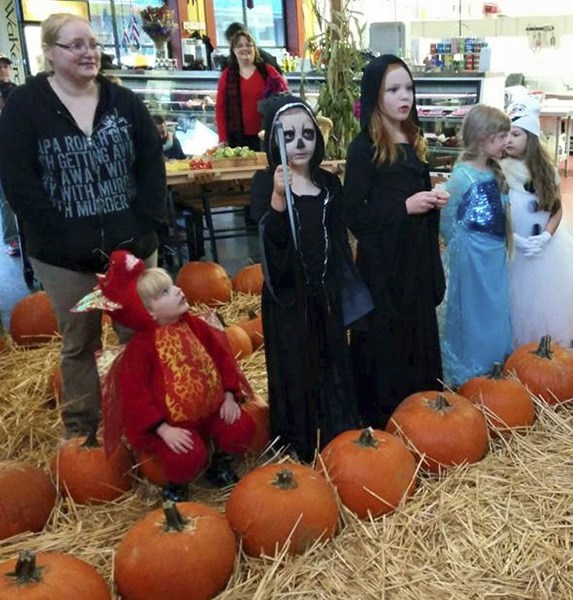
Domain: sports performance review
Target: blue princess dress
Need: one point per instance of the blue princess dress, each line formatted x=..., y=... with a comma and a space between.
x=476, y=329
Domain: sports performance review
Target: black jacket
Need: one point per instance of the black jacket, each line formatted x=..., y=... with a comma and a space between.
x=81, y=197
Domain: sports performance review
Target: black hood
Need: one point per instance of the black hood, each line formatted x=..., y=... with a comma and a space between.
x=271, y=109
x=370, y=86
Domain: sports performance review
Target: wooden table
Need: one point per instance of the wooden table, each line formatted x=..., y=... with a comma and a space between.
x=194, y=209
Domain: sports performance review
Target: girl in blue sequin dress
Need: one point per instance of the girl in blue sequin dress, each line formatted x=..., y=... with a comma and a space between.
x=477, y=325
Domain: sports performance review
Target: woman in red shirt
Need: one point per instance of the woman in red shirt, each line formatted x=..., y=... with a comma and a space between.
x=245, y=82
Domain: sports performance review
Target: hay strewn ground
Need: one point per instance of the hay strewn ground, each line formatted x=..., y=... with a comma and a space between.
x=501, y=529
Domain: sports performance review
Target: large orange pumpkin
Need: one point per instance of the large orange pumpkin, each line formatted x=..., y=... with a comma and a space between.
x=204, y=283
x=33, y=321
x=259, y=411
x=254, y=327
x=545, y=368
x=446, y=429
x=371, y=469
x=179, y=552
x=249, y=280
x=507, y=401
x=50, y=576
x=83, y=470
x=239, y=341
x=27, y=497
x=278, y=501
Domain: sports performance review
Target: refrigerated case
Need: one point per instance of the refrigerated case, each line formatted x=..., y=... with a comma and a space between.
x=443, y=100
x=187, y=100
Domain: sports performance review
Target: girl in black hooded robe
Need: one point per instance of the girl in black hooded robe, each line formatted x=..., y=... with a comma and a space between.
x=312, y=293
x=389, y=206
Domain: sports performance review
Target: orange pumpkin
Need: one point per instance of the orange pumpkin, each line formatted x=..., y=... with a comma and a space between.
x=276, y=502
x=176, y=553
x=249, y=280
x=204, y=283
x=239, y=341
x=507, y=401
x=27, y=497
x=445, y=429
x=50, y=576
x=33, y=321
x=254, y=327
x=87, y=475
x=371, y=469
x=259, y=411
x=545, y=368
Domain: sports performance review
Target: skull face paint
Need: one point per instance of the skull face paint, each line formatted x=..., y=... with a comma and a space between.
x=300, y=136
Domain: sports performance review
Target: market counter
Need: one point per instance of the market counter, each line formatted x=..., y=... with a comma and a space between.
x=195, y=196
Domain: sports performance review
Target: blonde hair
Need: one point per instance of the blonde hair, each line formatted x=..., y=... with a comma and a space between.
x=481, y=122
x=542, y=173
x=50, y=31
x=151, y=283
x=384, y=147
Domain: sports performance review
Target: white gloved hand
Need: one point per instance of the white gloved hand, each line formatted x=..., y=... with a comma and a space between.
x=525, y=245
x=540, y=240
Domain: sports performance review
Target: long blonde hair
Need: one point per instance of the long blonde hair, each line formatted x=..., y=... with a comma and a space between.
x=384, y=147
x=50, y=31
x=481, y=122
x=542, y=173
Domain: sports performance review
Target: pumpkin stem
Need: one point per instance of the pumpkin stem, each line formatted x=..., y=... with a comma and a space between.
x=174, y=520
x=366, y=439
x=496, y=371
x=440, y=404
x=252, y=314
x=285, y=480
x=91, y=440
x=544, y=348
x=26, y=570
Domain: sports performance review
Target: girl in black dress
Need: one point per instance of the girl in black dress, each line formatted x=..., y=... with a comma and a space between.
x=389, y=206
x=312, y=293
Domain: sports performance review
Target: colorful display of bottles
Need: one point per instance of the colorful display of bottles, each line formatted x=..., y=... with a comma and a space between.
x=459, y=54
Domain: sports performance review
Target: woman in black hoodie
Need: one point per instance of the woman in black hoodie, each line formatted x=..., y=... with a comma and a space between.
x=82, y=167
x=312, y=292
x=390, y=208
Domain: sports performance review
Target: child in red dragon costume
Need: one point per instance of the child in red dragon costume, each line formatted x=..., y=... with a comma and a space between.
x=178, y=380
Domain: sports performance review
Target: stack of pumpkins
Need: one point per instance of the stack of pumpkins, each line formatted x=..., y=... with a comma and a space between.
x=190, y=550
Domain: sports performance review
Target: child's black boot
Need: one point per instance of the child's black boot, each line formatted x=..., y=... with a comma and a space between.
x=176, y=492
x=221, y=472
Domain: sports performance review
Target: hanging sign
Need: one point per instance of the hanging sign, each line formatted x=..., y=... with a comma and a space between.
x=38, y=10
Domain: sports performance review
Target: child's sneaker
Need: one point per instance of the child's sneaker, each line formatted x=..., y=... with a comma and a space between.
x=12, y=248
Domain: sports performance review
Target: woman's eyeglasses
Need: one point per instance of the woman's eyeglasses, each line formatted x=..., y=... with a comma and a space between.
x=80, y=47
x=242, y=46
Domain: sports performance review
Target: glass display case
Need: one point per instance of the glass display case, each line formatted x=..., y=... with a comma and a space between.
x=187, y=100
x=443, y=100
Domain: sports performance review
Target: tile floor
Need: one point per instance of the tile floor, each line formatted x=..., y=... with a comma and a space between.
x=233, y=253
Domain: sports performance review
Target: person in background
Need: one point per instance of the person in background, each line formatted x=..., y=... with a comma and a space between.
x=540, y=274
x=390, y=207
x=9, y=225
x=242, y=85
x=477, y=325
x=311, y=283
x=267, y=57
x=82, y=167
x=171, y=145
